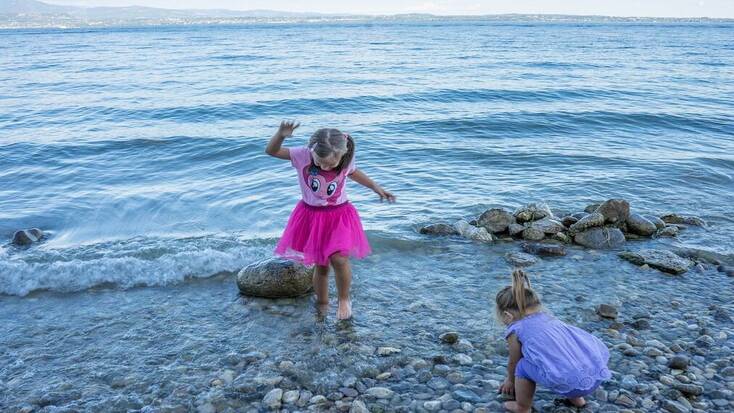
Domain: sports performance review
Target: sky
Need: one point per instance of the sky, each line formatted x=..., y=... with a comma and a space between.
x=642, y=8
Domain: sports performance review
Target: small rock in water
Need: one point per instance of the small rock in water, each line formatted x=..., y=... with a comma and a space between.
x=533, y=234
x=539, y=248
x=675, y=407
x=637, y=224
x=679, y=362
x=660, y=259
x=495, y=220
x=689, y=389
x=520, y=259
x=358, y=406
x=614, y=210
x=683, y=219
x=275, y=278
x=729, y=271
x=659, y=223
x=273, y=398
x=562, y=237
x=569, y=220
x=668, y=231
x=380, y=392
x=532, y=212
x=515, y=229
x=471, y=232
x=607, y=311
x=600, y=238
x=387, y=351
x=290, y=397
x=439, y=229
x=449, y=337
x=592, y=220
x=27, y=236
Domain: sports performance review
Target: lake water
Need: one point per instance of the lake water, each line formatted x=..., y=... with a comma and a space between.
x=140, y=151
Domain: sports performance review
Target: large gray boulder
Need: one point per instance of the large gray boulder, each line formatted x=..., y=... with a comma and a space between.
x=495, y=220
x=532, y=212
x=637, y=224
x=614, y=210
x=548, y=225
x=592, y=220
x=600, y=238
x=27, y=236
x=275, y=278
x=533, y=234
x=662, y=260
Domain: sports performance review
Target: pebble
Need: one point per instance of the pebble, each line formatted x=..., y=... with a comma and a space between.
x=607, y=311
x=273, y=398
x=358, y=406
x=380, y=392
x=387, y=351
x=449, y=337
x=679, y=362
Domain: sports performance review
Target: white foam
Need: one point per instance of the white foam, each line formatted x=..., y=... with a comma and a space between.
x=23, y=273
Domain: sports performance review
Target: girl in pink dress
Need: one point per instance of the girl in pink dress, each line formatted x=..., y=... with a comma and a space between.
x=324, y=229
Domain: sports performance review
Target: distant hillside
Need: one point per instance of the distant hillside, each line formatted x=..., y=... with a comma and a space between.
x=37, y=8
x=37, y=14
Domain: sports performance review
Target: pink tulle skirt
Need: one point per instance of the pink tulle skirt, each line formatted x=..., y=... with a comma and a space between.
x=314, y=233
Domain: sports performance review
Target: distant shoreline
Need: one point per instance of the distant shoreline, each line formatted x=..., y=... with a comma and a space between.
x=24, y=22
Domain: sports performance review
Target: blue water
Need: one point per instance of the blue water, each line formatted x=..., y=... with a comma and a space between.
x=140, y=152
x=119, y=140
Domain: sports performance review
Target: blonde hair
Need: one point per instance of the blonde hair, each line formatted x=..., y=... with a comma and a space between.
x=517, y=297
x=328, y=141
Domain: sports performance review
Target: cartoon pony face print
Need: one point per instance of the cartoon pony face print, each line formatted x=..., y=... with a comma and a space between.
x=326, y=185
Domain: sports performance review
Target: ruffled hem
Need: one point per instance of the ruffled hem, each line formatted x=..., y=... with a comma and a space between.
x=314, y=234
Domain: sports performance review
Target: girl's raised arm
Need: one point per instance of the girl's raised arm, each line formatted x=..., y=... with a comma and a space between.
x=274, y=146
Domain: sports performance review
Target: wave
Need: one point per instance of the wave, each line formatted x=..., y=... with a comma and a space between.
x=69, y=115
x=125, y=264
x=146, y=261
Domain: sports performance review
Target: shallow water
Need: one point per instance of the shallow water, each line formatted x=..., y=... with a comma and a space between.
x=140, y=151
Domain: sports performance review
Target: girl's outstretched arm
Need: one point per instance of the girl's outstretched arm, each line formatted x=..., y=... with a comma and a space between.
x=361, y=178
x=508, y=387
x=274, y=146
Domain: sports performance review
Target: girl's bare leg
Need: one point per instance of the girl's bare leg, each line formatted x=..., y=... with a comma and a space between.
x=321, y=287
x=524, y=392
x=343, y=271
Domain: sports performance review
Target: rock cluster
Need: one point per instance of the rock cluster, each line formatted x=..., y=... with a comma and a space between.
x=606, y=225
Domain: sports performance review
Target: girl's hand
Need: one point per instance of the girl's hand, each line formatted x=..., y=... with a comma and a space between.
x=384, y=195
x=287, y=127
x=508, y=387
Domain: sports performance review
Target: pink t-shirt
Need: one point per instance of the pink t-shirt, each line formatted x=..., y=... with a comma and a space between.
x=319, y=188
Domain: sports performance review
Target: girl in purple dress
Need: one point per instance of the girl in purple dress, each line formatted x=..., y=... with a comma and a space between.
x=544, y=350
x=324, y=228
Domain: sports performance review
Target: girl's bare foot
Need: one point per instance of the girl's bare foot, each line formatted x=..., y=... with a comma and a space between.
x=514, y=407
x=344, y=312
x=322, y=309
x=578, y=402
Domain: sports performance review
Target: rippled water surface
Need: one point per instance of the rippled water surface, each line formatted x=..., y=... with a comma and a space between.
x=140, y=152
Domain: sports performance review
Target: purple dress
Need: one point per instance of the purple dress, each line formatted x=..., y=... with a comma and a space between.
x=565, y=359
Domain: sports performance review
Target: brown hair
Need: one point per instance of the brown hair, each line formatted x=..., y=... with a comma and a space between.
x=517, y=297
x=328, y=141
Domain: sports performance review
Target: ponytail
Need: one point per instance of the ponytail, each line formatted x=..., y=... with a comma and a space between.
x=519, y=281
x=517, y=297
x=349, y=155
